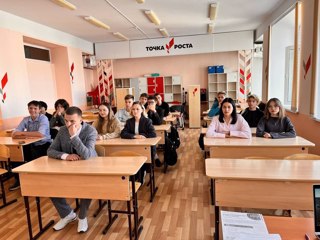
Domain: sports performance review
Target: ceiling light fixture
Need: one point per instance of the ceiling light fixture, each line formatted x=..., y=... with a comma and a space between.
x=121, y=36
x=213, y=11
x=96, y=22
x=152, y=17
x=140, y=1
x=164, y=32
x=210, y=27
x=65, y=4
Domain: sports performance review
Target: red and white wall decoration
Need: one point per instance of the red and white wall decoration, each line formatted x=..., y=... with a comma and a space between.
x=4, y=82
x=106, y=81
x=71, y=72
x=245, y=66
x=306, y=66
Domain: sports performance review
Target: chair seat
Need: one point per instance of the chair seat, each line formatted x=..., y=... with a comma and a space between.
x=137, y=186
x=3, y=171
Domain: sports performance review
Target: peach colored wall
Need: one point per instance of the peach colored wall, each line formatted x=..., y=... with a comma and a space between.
x=12, y=62
x=307, y=128
x=78, y=89
x=304, y=124
x=42, y=81
x=59, y=57
x=192, y=68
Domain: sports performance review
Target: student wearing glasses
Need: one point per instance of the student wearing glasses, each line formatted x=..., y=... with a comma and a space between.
x=154, y=112
x=275, y=123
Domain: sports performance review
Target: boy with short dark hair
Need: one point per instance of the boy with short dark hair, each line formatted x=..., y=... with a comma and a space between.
x=144, y=99
x=155, y=113
x=43, y=110
x=36, y=125
x=162, y=104
x=124, y=114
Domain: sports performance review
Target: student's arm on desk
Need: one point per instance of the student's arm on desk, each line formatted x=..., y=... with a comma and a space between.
x=289, y=131
x=212, y=130
x=21, y=135
x=244, y=132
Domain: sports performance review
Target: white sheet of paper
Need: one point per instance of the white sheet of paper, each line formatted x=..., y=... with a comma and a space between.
x=244, y=226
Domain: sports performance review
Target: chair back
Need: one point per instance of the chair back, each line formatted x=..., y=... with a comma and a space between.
x=124, y=154
x=4, y=153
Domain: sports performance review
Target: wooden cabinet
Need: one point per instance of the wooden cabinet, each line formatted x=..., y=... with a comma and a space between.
x=227, y=82
x=194, y=106
x=120, y=94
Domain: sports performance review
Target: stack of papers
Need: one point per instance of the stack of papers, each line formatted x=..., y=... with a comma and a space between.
x=245, y=226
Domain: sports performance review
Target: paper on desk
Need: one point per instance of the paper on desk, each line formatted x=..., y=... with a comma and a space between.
x=244, y=226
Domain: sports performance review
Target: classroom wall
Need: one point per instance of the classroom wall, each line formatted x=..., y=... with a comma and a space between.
x=17, y=89
x=192, y=68
x=41, y=75
x=78, y=90
x=33, y=79
x=305, y=125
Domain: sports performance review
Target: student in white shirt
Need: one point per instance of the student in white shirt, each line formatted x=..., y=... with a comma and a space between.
x=124, y=114
x=228, y=123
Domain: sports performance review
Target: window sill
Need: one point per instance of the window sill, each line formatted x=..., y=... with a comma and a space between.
x=291, y=111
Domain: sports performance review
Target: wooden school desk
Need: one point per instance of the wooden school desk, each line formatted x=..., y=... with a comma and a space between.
x=109, y=178
x=257, y=147
x=290, y=228
x=262, y=183
x=169, y=119
x=161, y=131
x=16, y=146
x=139, y=146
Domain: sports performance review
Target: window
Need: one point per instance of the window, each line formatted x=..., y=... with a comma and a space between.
x=37, y=53
x=283, y=59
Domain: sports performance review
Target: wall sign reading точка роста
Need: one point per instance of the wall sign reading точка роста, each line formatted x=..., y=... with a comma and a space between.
x=169, y=46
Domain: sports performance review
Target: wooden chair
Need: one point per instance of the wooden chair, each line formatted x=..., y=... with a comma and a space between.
x=303, y=156
x=4, y=156
x=124, y=154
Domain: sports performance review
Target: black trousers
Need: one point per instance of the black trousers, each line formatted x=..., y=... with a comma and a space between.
x=31, y=152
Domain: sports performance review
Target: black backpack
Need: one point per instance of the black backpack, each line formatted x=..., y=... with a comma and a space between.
x=174, y=137
x=170, y=153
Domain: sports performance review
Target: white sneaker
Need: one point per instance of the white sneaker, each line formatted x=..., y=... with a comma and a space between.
x=64, y=221
x=82, y=225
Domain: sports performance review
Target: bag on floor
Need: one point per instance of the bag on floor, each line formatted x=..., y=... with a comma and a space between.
x=170, y=153
x=174, y=137
x=201, y=141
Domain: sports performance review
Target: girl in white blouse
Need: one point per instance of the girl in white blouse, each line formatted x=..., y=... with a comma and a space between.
x=228, y=123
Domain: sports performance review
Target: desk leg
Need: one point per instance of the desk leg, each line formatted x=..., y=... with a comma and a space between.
x=111, y=219
x=137, y=220
x=3, y=193
x=41, y=229
x=101, y=206
x=153, y=187
x=211, y=192
x=216, y=224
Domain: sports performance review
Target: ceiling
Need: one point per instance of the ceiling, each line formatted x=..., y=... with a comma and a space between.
x=179, y=17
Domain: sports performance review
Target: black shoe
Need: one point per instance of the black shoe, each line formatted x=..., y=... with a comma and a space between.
x=158, y=162
x=15, y=186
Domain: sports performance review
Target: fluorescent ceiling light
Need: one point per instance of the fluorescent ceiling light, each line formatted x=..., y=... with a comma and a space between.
x=121, y=36
x=96, y=22
x=164, y=32
x=65, y=4
x=213, y=11
x=152, y=17
x=210, y=27
x=140, y=1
